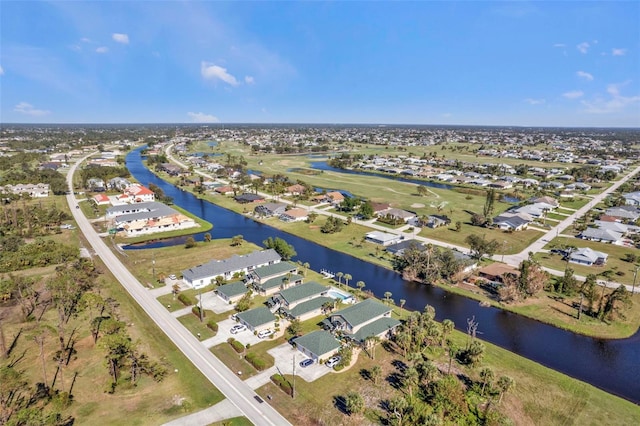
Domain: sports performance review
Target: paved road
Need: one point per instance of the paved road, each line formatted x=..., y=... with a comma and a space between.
x=239, y=394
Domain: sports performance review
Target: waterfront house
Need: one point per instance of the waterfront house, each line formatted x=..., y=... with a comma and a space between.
x=369, y=318
x=268, y=279
x=294, y=215
x=382, y=238
x=248, y=198
x=203, y=275
x=270, y=209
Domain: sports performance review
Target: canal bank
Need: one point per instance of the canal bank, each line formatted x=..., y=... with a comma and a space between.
x=609, y=365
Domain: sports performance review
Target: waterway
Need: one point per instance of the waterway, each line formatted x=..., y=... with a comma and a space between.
x=612, y=365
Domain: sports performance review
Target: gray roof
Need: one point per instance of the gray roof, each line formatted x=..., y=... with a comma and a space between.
x=318, y=342
x=257, y=317
x=232, y=264
x=588, y=254
x=302, y=291
x=363, y=312
x=308, y=306
x=232, y=289
x=156, y=210
x=375, y=328
x=601, y=234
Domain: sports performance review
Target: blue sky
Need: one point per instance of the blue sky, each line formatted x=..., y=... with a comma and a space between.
x=476, y=63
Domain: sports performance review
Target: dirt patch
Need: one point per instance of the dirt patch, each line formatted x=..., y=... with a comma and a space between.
x=417, y=205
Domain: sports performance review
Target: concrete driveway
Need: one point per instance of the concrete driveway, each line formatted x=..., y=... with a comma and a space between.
x=215, y=303
x=224, y=333
x=284, y=360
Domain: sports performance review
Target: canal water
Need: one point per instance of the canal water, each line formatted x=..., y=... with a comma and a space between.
x=612, y=365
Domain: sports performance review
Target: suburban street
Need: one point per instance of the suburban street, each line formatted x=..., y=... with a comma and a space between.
x=238, y=393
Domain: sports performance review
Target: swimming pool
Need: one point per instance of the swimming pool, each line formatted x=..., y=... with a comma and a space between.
x=335, y=294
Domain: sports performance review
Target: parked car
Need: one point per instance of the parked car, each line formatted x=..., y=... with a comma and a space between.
x=306, y=362
x=333, y=361
x=265, y=333
x=172, y=277
x=238, y=328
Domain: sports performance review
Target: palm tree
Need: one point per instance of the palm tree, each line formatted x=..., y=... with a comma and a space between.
x=339, y=275
x=402, y=302
x=387, y=296
x=347, y=277
x=306, y=267
x=505, y=383
x=360, y=285
x=486, y=376
x=447, y=327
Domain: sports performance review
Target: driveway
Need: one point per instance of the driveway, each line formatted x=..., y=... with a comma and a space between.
x=286, y=355
x=215, y=303
x=224, y=333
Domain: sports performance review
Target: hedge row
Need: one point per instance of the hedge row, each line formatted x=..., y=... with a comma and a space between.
x=212, y=325
x=282, y=384
x=186, y=300
x=257, y=362
x=196, y=311
x=237, y=346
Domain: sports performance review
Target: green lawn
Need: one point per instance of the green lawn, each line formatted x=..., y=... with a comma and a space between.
x=192, y=323
x=234, y=421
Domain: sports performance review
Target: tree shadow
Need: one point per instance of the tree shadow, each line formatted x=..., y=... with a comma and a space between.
x=365, y=374
x=394, y=380
x=341, y=404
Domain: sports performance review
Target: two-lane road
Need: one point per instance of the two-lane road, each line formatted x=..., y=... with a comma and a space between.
x=239, y=393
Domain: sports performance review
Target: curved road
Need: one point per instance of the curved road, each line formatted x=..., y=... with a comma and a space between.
x=238, y=392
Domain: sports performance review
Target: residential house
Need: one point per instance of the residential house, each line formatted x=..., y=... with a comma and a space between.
x=96, y=185
x=171, y=169
x=295, y=189
x=248, y=198
x=382, y=238
x=139, y=193
x=369, y=318
x=302, y=301
x=512, y=221
x=270, y=209
x=602, y=235
x=435, y=221
x=153, y=217
x=203, y=275
x=101, y=200
x=397, y=214
x=294, y=215
x=398, y=249
x=496, y=272
x=39, y=190
x=318, y=345
x=468, y=263
x=225, y=190
x=232, y=292
x=257, y=319
x=119, y=183
x=632, y=198
x=589, y=257
x=270, y=278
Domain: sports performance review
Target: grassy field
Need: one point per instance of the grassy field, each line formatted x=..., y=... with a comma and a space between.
x=183, y=390
x=541, y=396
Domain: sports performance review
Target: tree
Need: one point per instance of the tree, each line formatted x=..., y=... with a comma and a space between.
x=447, y=328
x=207, y=237
x=614, y=303
x=354, y=403
x=489, y=202
x=360, y=285
x=480, y=246
x=366, y=210
x=422, y=190
x=339, y=275
x=505, y=384
x=190, y=242
x=376, y=374
x=285, y=250
x=411, y=379
x=347, y=278
x=294, y=328
x=237, y=241
x=402, y=303
x=387, y=296
x=306, y=267
x=486, y=377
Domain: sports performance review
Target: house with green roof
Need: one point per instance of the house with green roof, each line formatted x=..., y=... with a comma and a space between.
x=232, y=292
x=270, y=278
x=360, y=321
x=308, y=309
x=317, y=345
x=257, y=319
x=290, y=297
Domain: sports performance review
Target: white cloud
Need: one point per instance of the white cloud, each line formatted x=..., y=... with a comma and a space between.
x=249, y=80
x=618, y=52
x=583, y=47
x=531, y=101
x=575, y=94
x=211, y=71
x=102, y=49
x=28, y=109
x=585, y=75
x=85, y=40
x=559, y=45
x=1, y=70
x=201, y=117
x=616, y=102
x=120, y=38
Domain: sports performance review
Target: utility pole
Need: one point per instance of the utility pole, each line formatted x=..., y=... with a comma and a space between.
x=293, y=386
x=635, y=275
x=153, y=267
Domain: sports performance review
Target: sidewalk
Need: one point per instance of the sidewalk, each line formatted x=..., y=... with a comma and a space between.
x=221, y=411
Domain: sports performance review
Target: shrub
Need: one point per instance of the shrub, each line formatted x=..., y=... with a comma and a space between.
x=212, y=325
x=186, y=300
x=257, y=362
x=196, y=311
x=237, y=346
x=282, y=384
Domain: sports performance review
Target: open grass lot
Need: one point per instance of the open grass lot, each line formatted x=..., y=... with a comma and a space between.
x=624, y=270
x=541, y=395
x=192, y=323
x=510, y=242
x=235, y=421
x=233, y=359
x=147, y=403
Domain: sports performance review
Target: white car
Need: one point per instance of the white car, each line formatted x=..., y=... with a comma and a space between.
x=172, y=277
x=265, y=333
x=333, y=361
x=238, y=328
